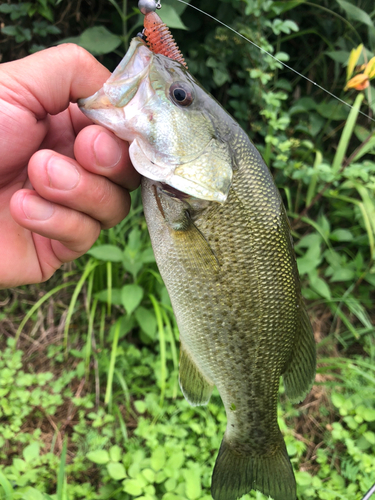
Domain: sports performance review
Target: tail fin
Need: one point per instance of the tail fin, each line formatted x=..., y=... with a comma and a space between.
x=235, y=475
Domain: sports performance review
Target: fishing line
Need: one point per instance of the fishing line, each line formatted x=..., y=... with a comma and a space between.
x=369, y=493
x=275, y=58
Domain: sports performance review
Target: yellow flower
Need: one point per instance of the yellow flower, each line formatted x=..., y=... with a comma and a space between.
x=358, y=82
x=370, y=68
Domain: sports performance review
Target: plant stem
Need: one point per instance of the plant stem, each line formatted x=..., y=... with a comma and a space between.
x=125, y=22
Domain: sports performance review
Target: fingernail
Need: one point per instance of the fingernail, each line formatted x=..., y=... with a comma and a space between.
x=62, y=174
x=107, y=151
x=36, y=208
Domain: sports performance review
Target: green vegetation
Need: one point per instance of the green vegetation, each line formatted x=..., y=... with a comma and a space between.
x=89, y=401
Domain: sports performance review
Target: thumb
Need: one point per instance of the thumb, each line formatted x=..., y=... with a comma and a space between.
x=47, y=81
x=35, y=87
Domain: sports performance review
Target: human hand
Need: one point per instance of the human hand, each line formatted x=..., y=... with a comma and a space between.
x=62, y=179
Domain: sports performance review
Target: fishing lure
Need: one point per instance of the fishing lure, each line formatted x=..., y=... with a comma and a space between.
x=157, y=34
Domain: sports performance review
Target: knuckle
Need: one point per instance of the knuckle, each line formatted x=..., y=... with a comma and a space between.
x=73, y=52
x=82, y=233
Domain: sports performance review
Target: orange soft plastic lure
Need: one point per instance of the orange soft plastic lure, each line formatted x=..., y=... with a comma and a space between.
x=160, y=39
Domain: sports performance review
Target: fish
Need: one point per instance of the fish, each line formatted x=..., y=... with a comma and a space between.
x=223, y=245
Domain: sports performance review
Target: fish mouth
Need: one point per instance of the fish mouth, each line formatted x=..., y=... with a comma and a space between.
x=184, y=186
x=125, y=92
x=172, y=192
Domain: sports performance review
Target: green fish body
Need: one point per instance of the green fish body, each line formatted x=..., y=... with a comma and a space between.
x=223, y=246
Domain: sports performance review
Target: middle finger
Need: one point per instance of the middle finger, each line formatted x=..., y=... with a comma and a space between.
x=62, y=180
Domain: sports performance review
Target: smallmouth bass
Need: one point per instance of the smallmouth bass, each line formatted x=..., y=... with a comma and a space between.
x=222, y=243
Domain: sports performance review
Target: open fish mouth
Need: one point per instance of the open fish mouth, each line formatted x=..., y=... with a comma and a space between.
x=124, y=94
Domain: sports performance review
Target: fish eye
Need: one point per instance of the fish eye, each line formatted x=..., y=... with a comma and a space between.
x=181, y=93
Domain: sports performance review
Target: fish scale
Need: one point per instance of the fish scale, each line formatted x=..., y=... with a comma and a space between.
x=222, y=243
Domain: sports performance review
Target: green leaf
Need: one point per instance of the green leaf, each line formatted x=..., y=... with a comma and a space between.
x=98, y=456
x=369, y=414
x=147, y=321
x=340, y=56
x=312, y=257
x=140, y=406
x=108, y=253
x=176, y=460
x=158, y=459
x=342, y=274
x=370, y=436
x=338, y=400
x=115, y=453
x=178, y=7
x=132, y=487
x=333, y=110
x=355, y=13
x=170, y=17
x=31, y=452
x=97, y=40
x=172, y=496
x=149, y=474
x=131, y=296
x=32, y=494
x=319, y=285
x=341, y=235
x=116, y=471
x=9, y=30
x=115, y=296
x=19, y=464
x=303, y=105
x=193, y=484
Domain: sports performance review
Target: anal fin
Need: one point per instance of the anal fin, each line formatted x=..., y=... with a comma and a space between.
x=194, y=386
x=300, y=372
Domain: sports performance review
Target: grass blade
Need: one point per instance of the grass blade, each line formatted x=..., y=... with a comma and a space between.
x=124, y=432
x=61, y=473
x=90, y=266
x=109, y=287
x=125, y=389
x=163, y=360
x=111, y=370
x=36, y=307
x=89, y=338
x=346, y=134
x=174, y=352
x=314, y=179
x=7, y=487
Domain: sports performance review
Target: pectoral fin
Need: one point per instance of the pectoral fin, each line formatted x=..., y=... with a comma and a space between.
x=300, y=372
x=194, y=386
x=196, y=251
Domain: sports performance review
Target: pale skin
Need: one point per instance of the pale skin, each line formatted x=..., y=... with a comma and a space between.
x=62, y=179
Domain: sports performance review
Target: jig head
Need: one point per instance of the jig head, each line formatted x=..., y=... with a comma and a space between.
x=146, y=6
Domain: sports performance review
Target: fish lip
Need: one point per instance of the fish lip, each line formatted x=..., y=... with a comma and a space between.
x=99, y=100
x=123, y=84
